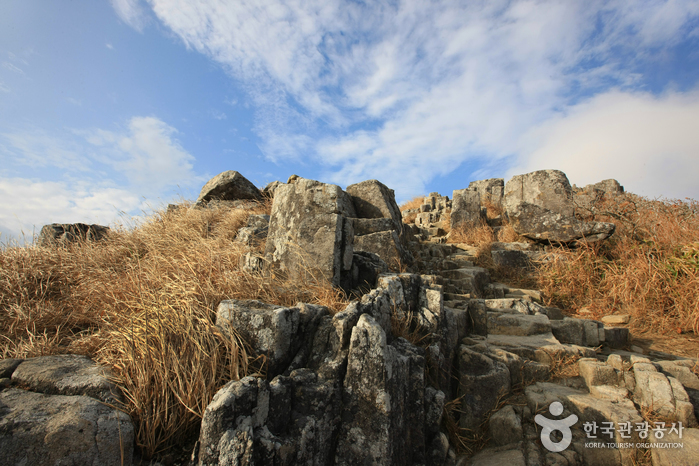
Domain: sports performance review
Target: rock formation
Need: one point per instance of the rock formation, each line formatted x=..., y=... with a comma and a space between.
x=63, y=233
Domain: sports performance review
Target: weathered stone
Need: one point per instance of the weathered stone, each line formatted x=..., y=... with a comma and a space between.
x=511, y=259
x=64, y=233
x=373, y=199
x=366, y=268
x=616, y=337
x=580, y=332
x=653, y=390
x=310, y=231
x=517, y=324
x=498, y=457
x=540, y=206
x=505, y=426
x=269, y=190
x=490, y=190
x=277, y=332
x=367, y=226
x=466, y=209
x=251, y=263
x=482, y=383
x=597, y=373
x=255, y=231
x=228, y=186
x=38, y=429
x=8, y=366
x=685, y=456
x=609, y=392
x=616, y=319
x=385, y=244
x=66, y=374
x=681, y=371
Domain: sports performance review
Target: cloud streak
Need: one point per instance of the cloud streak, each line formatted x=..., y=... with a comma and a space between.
x=408, y=90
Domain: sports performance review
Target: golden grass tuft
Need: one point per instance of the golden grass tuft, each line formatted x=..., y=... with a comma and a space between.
x=480, y=235
x=143, y=301
x=649, y=268
x=413, y=203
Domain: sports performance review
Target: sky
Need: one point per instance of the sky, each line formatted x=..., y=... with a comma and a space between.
x=109, y=109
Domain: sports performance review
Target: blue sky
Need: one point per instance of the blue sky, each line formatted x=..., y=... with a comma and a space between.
x=118, y=106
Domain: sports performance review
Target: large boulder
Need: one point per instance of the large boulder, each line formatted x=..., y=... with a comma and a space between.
x=55, y=429
x=540, y=206
x=310, y=231
x=228, y=186
x=63, y=233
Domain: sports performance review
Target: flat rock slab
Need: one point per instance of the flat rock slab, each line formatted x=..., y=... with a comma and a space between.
x=687, y=455
x=66, y=374
x=8, y=366
x=38, y=429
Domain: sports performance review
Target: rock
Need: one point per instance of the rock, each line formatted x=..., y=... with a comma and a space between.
x=597, y=373
x=482, y=383
x=466, y=209
x=580, y=332
x=540, y=206
x=255, y=231
x=511, y=259
x=251, y=263
x=64, y=233
x=490, y=190
x=616, y=319
x=367, y=226
x=616, y=337
x=310, y=231
x=66, y=374
x=8, y=366
x=386, y=245
x=269, y=190
x=373, y=199
x=505, y=426
x=366, y=268
x=681, y=370
x=498, y=457
x=277, y=332
x=517, y=324
x=228, y=186
x=685, y=456
x=653, y=391
x=54, y=429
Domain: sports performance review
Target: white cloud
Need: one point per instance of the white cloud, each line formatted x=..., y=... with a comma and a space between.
x=29, y=204
x=131, y=12
x=109, y=46
x=95, y=174
x=649, y=144
x=405, y=89
x=13, y=68
x=4, y=88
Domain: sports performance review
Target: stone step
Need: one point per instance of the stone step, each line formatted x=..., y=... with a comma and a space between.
x=503, y=323
x=522, y=293
x=457, y=296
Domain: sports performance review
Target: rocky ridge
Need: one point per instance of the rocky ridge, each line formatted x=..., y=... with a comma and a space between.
x=418, y=356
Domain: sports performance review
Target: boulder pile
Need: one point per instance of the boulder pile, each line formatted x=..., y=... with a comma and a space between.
x=430, y=352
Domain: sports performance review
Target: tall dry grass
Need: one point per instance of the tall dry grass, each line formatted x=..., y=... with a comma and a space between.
x=413, y=203
x=143, y=302
x=649, y=268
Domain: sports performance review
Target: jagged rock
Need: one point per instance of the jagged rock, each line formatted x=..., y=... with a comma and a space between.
x=597, y=373
x=63, y=233
x=581, y=332
x=466, y=209
x=366, y=268
x=540, y=206
x=511, y=259
x=517, y=324
x=367, y=226
x=383, y=396
x=280, y=333
x=38, y=429
x=490, y=190
x=310, y=231
x=685, y=456
x=228, y=186
x=505, y=426
x=66, y=374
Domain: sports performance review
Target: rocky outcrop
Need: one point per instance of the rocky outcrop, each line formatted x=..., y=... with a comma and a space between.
x=228, y=186
x=540, y=206
x=491, y=191
x=465, y=209
x=310, y=231
x=64, y=233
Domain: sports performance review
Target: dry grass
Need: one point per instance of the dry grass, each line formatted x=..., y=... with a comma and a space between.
x=480, y=235
x=142, y=301
x=413, y=203
x=649, y=268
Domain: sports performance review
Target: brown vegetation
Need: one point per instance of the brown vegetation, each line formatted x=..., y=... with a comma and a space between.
x=413, y=203
x=649, y=268
x=143, y=302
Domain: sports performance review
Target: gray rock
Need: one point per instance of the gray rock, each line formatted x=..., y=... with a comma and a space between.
x=386, y=245
x=269, y=190
x=490, y=190
x=685, y=456
x=64, y=233
x=67, y=374
x=498, y=457
x=277, y=332
x=505, y=426
x=540, y=206
x=511, y=259
x=367, y=226
x=579, y=332
x=616, y=337
x=597, y=373
x=373, y=199
x=8, y=366
x=228, y=186
x=482, y=383
x=310, y=231
x=517, y=324
x=466, y=209
x=38, y=429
